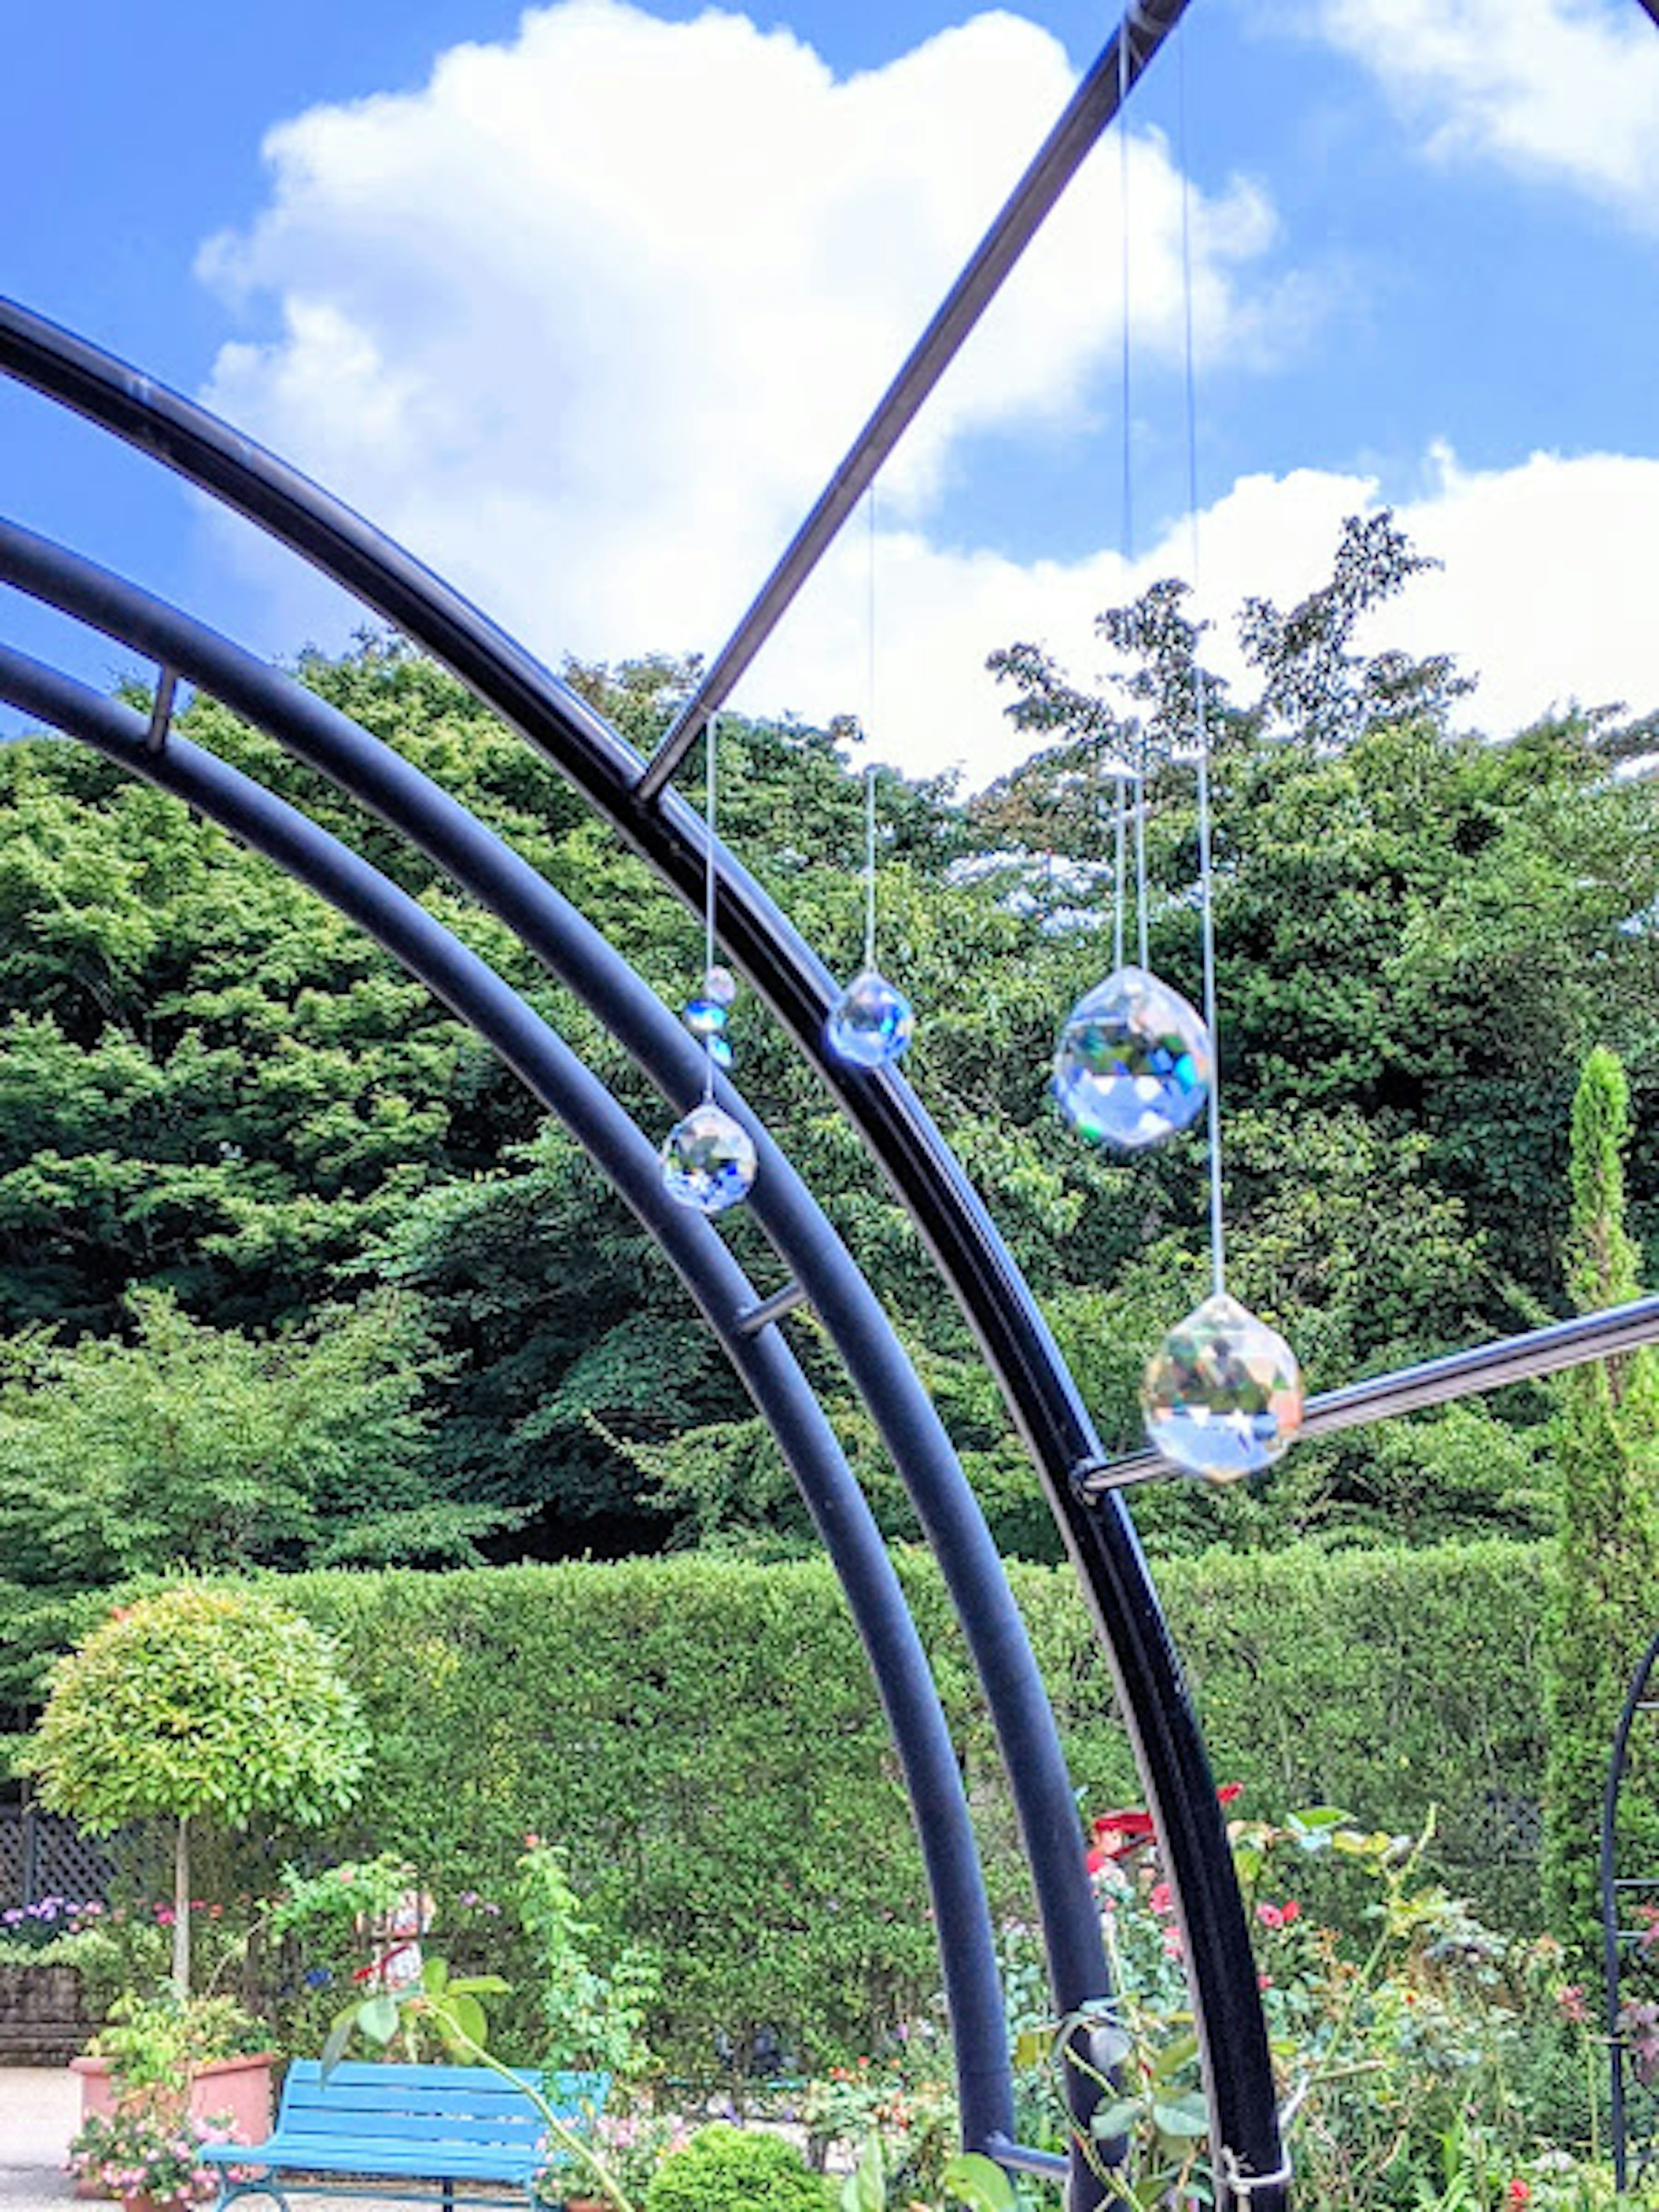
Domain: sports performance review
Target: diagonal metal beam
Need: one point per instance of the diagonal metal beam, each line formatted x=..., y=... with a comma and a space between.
x=1057, y=161
x=1522, y=1358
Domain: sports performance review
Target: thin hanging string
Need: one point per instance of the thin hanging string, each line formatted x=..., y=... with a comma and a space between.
x=870, y=766
x=1206, y=858
x=1118, y=820
x=1127, y=488
x=710, y=819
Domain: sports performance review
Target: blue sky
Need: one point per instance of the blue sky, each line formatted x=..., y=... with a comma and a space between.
x=586, y=314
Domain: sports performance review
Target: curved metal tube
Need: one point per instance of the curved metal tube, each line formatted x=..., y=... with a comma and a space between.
x=971, y=1255
x=571, y=949
x=1635, y=1701
x=761, y=1358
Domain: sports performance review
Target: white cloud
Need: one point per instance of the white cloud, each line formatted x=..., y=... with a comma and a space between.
x=588, y=321
x=1546, y=595
x=1566, y=89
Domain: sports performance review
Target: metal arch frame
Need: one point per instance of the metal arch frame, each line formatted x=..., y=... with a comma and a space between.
x=570, y=949
x=977, y=1267
x=762, y=1357
x=1613, y=1936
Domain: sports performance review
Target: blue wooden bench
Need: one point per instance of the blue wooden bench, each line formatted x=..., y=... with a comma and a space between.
x=438, y=2125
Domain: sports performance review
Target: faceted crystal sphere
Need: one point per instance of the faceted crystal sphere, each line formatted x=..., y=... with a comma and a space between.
x=870, y=1023
x=1223, y=1393
x=720, y=984
x=707, y=1161
x=1134, y=1062
x=705, y=1016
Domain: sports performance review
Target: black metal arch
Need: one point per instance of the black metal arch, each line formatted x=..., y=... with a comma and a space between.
x=761, y=1356
x=1622, y=2075
x=974, y=1262
x=474, y=858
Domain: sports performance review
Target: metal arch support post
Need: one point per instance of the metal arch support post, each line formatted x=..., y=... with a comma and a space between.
x=1618, y=2125
x=564, y=1085
x=975, y=1264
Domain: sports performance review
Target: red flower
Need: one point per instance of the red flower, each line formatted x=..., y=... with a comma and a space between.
x=1290, y=1911
x=1227, y=1791
x=1517, y=2194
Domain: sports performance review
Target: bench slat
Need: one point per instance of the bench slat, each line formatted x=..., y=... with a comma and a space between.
x=364, y=2155
x=415, y=2126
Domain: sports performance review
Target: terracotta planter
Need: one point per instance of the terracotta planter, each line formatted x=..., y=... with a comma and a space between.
x=240, y=2086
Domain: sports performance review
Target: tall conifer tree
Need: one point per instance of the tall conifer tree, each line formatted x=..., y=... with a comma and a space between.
x=1605, y=1600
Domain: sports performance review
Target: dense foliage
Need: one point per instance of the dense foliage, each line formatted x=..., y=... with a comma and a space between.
x=606, y=1711
x=237, y=1144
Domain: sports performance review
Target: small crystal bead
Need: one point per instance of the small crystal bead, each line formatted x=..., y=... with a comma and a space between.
x=707, y=1160
x=871, y=1024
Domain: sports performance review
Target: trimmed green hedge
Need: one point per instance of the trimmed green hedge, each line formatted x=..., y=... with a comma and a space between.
x=702, y=1738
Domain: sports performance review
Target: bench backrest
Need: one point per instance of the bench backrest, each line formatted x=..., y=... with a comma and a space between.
x=430, y=2104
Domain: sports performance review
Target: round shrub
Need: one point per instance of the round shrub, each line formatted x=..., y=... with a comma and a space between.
x=726, y=2169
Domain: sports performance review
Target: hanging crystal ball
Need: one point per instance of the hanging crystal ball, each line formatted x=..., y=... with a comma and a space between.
x=719, y=985
x=871, y=1024
x=1134, y=1062
x=707, y=1160
x=1223, y=1393
x=705, y=1017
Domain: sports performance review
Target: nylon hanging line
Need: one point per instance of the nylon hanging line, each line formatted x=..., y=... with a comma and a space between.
x=1118, y=820
x=1206, y=856
x=1128, y=469
x=870, y=765
x=711, y=749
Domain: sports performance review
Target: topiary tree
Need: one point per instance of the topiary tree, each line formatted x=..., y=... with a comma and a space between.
x=1603, y=1600
x=727, y=2169
x=199, y=1705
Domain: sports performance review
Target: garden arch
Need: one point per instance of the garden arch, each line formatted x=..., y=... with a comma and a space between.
x=636, y=797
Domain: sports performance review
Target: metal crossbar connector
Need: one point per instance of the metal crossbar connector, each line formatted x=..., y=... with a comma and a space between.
x=160, y=714
x=757, y=1317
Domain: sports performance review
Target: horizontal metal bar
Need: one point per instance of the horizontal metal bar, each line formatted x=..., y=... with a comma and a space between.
x=1433, y=1383
x=762, y=1315
x=1090, y=110
x=1020, y=2158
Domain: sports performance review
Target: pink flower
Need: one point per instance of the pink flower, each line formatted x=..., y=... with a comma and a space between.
x=1270, y=1915
x=1161, y=1898
x=1172, y=1947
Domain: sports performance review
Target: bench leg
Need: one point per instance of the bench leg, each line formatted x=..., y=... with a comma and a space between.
x=229, y=2190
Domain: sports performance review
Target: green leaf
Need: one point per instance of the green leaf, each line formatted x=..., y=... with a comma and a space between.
x=980, y=2183
x=434, y=1976
x=864, y=2189
x=338, y=2037
x=378, y=2018
x=463, y=2023
x=1119, y=2119
x=1184, y=2117
x=1174, y=2057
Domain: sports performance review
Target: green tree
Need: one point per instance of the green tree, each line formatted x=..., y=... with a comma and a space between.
x=1607, y=1447
x=199, y=1705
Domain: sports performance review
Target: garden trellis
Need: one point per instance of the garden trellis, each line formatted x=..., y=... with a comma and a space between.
x=637, y=797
